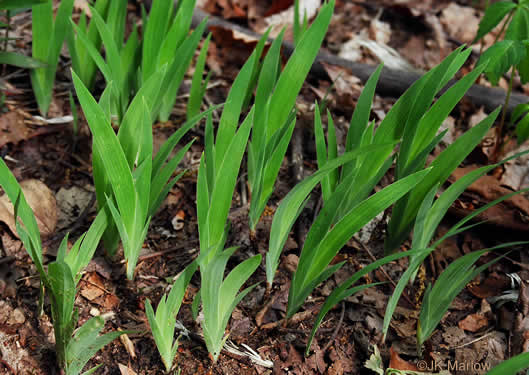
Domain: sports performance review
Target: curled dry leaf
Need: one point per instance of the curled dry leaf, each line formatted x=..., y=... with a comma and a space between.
x=41, y=200
x=178, y=220
x=128, y=344
x=125, y=370
x=493, y=285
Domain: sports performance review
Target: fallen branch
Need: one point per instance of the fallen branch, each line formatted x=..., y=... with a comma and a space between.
x=391, y=83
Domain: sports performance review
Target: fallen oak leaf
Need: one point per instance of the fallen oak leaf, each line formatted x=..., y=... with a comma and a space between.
x=473, y=322
x=41, y=200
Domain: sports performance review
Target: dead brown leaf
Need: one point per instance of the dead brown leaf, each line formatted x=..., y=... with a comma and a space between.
x=398, y=363
x=512, y=213
x=92, y=287
x=42, y=202
x=473, y=322
x=493, y=285
x=228, y=9
x=128, y=344
x=110, y=301
x=460, y=22
x=125, y=370
x=13, y=129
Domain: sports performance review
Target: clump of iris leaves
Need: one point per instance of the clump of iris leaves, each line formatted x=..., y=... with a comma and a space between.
x=143, y=74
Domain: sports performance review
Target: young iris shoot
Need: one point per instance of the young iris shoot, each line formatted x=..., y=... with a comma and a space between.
x=217, y=177
x=328, y=234
x=60, y=280
x=131, y=182
x=13, y=58
x=274, y=118
x=416, y=121
x=429, y=216
x=167, y=40
x=299, y=27
x=174, y=51
x=163, y=322
x=48, y=38
x=82, y=62
x=198, y=87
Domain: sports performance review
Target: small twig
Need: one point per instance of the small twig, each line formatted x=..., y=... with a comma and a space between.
x=521, y=265
x=97, y=286
x=374, y=259
x=159, y=253
x=491, y=331
x=297, y=318
x=336, y=330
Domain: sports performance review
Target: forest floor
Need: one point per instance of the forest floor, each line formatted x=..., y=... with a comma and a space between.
x=475, y=334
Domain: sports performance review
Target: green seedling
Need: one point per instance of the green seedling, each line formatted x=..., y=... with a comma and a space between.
x=414, y=121
x=82, y=63
x=198, y=87
x=48, y=38
x=60, y=279
x=509, y=53
x=130, y=181
x=438, y=299
x=274, y=118
x=328, y=234
x=122, y=59
x=429, y=216
x=292, y=205
x=166, y=41
x=217, y=177
x=222, y=158
x=220, y=295
x=360, y=134
x=121, y=65
x=163, y=323
x=13, y=58
x=299, y=27
x=419, y=123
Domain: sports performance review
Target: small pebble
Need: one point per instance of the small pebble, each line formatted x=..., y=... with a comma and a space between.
x=17, y=317
x=94, y=312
